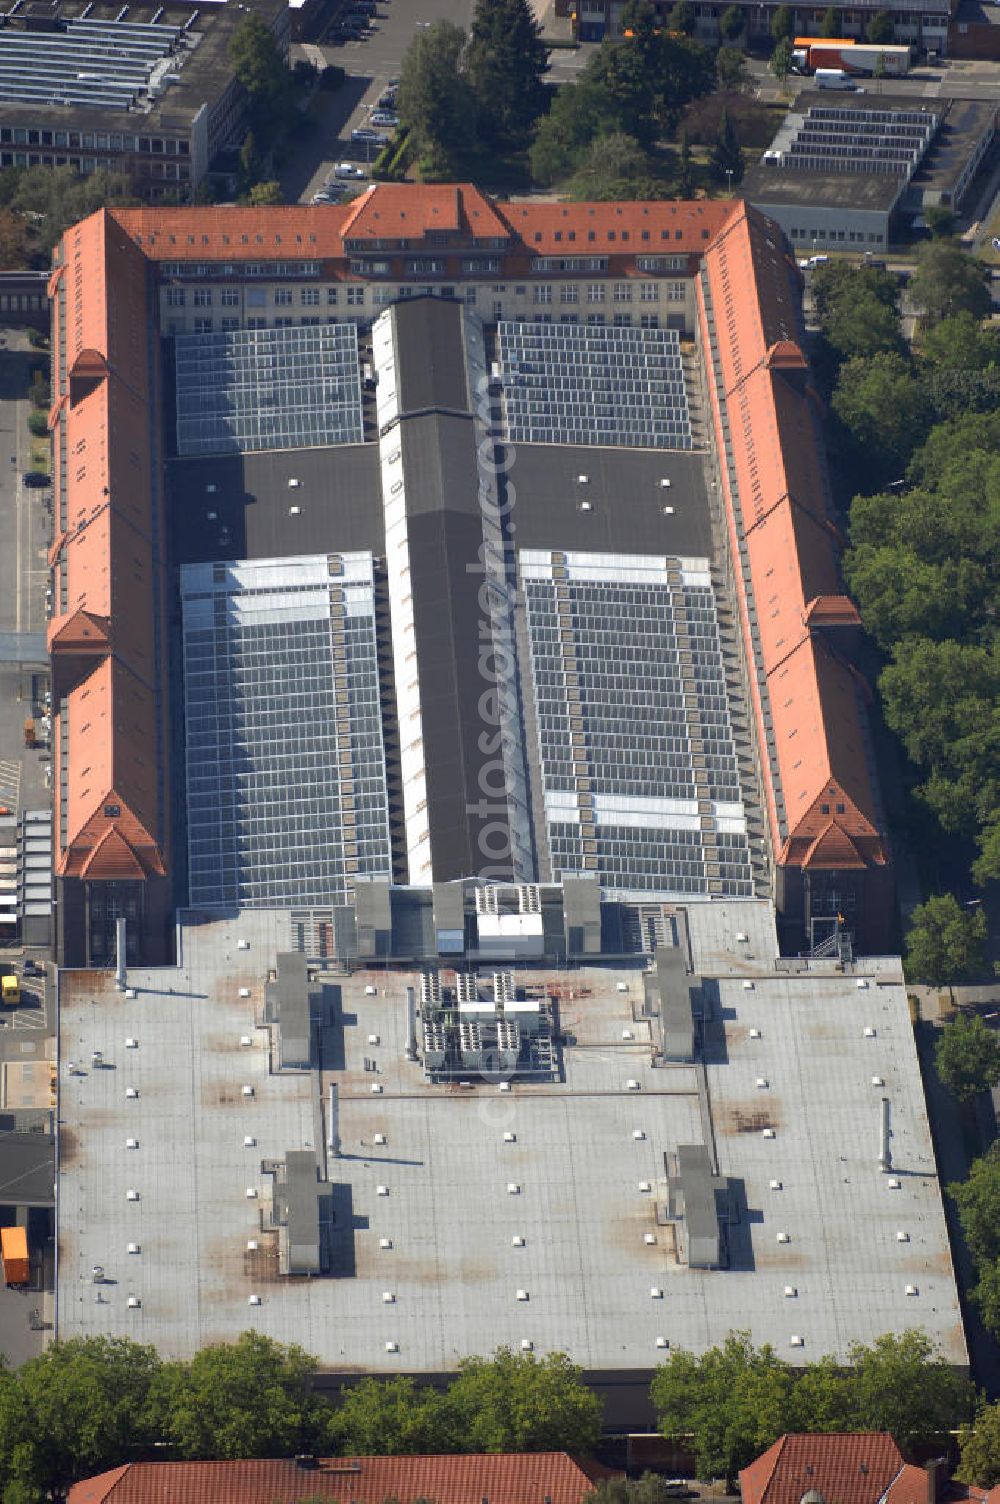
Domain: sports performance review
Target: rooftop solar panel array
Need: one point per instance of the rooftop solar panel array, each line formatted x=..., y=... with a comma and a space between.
x=591, y=384
x=637, y=759
x=870, y=141
x=253, y=389
x=107, y=64
x=286, y=797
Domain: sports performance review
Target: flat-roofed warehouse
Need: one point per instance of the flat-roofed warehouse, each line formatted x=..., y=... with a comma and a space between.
x=637, y=1187
x=453, y=435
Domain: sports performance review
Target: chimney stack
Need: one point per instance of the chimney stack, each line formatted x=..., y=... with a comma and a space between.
x=884, y=1134
x=120, y=969
x=937, y=1477
x=411, y=1025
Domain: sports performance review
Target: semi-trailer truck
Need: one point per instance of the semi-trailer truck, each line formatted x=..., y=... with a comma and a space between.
x=862, y=59
x=15, y=1256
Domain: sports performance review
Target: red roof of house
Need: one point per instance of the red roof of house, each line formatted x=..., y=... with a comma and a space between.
x=850, y=1467
x=507, y=1478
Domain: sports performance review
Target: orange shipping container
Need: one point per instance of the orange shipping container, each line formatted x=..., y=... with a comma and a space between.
x=14, y=1250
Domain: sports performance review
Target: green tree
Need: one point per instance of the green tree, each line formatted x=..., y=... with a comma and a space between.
x=520, y=1403
x=732, y=24
x=967, y=1057
x=830, y=26
x=250, y=163
x=388, y=1418
x=864, y=325
x=731, y=70
x=729, y=1404
x=435, y=98
x=79, y=1409
x=266, y=193
x=628, y=80
x=260, y=67
x=961, y=342
x=580, y=113
x=985, y=1295
x=781, y=59
x=56, y=197
x=684, y=184
x=783, y=24
x=681, y=19
x=979, y=1448
x=902, y=1385
x=939, y=220
x=249, y=1398
x=615, y=167
x=38, y=424
x=880, y=28
x=726, y=156
x=879, y=401
x=506, y=64
x=978, y=1201
x=944, y=943
x=649, y=1489
x=947, y=280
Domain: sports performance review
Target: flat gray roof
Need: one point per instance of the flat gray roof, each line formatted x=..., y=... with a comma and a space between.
x=586, y=1187
x=764, y=186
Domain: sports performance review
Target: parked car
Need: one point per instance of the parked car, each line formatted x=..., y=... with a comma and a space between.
x=324, y=198
x=373, y=138
x=387, y=101
x=36, y=478
x=384, y=117
x=348, y=170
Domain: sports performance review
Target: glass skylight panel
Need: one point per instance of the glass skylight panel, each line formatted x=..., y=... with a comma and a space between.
x=254, y=389
x=286, y=796
x=593, y=384
x=639, y=773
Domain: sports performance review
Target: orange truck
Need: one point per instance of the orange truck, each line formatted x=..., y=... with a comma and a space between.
x=14, y=1251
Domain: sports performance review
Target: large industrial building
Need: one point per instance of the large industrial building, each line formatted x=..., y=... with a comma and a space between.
x=427, y=538
x=452, y=702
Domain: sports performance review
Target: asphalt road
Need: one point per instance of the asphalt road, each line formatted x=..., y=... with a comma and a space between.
x=946, y=80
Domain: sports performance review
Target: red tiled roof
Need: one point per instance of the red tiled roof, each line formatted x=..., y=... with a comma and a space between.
x=508, y=1478
x=855, y=1467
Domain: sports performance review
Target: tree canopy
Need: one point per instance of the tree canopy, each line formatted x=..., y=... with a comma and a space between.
x=967, y=1057
x=261, y=69
x=948, y=281
x=516, y=1402
x=979, y=1448
x=505, y=64
x=436, y=100
x=978, y=1201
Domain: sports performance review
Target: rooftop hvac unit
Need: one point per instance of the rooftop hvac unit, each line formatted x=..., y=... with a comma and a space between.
x=251, y=1193
x=392, y=1347
x=628, y=1034
x=131, y=1143
x=526, y=1344
x=796, y=1341
x=912, y=1290
x=381, y=1190
x=131, y=1044
x=631, y=1084
x=655, y=1293
x=133, y=1248
x=373, y=1039
x=371, y=990
x=768, y=1133
x=869, y=1032
x=662, y=1342
x=244, y=992
x=243, y=945
x=510, y=1138
x=761, y=1083
x=783, y=1237
x=517, y=1241
x=902, y=1237
x=388, y=1299
x=747, y=986
x=249, y=1142
x=522, y=1295
x=775, y=1185
x=504, y=1086
x=644, y=1186
x=376, y=1088
x=742, y=938
x=253, y=1300
x=621, y=986
x=861, y=984
x=131, y=1195
x=246, y=1039
x=248, y=1090
x=638, y=1134
x=649, y=1238
x=131, y=1092
x=134, y=1302
x=790, y=1292
x=895, y=1185
x=380, y=1138
x=513, y=1189
x=878, y=1081
x=385, y=1242
x=252, y=1245
x=754, y=1033
x=130, y=993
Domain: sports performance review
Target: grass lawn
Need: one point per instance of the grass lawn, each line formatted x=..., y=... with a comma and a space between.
x=40, y=454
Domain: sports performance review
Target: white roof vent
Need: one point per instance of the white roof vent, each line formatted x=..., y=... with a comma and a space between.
x=131, y=1195
x=638, y=1134
x=783, y=1237
x=517, y=1241
x=131, y=1044
x=392, y=1347
x=586, y=506
x=742, y=938
x=246, y=1040
x=388, y=1299
x=747, y=986
x=130, y=993
x=247, y=1089
x=662, y=1342
x=644, y=1185
x=768, y=1133
x=912, y=1290
x=510, y=1138
x=371, y=990
x=295, y=511
x=649, y=1238
x=249, y=1142
x=761, y=1083
x=244, y=992
x=133, y=1248
x=526, y=1344
x=243, y=945
x=131, y=1092
x=251, y=1193
x=631, y=1084
x=668, y=511
x=504, y=1086
x=253, y=1300
x=373, y=1039
x=754, y=1033
x=665, y=484
x=895, y=1185
x=621, y=986
x=861, y=984
x=131, y=1143
x=252, y=1245
x=582, y=480
x=385, y=1242
x=628, y=1034
x=293, y=483
x=522, y=1295
x=380, y=1138
x=902, y=1237
x=513, y=1189
x=869, y=1032
x=878, y=1080
x=791, y=1292
x=655, y=1293
x=775, y=1185
x=381, y=1190
x=376, y=1088
x=211, y=488
x=134, y=1302
x=796, y=1341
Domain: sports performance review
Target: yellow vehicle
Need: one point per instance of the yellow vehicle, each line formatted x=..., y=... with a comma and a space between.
x=10, y=989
